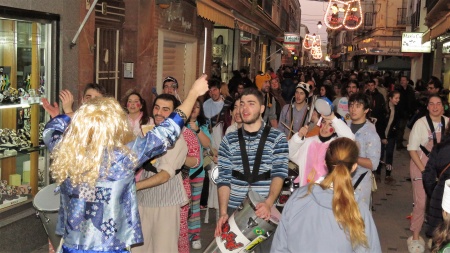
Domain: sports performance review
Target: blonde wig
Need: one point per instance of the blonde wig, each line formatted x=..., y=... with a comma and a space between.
x=341, y=155
x=98, y=132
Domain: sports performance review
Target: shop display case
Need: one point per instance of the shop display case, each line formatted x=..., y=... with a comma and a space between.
x=25, y=64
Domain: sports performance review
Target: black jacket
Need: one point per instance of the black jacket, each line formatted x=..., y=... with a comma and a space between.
x=438, y=160
x=378, y=110
x=392, y=133
x=407, y=104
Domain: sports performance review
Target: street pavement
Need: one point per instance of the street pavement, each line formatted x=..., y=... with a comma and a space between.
x=392, y=205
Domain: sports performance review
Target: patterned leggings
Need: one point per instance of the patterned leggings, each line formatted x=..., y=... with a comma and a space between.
x=183, y=239
x=194, y=220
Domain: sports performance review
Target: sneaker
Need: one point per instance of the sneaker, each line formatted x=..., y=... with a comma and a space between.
x=196, y=244
x=416, y=246
x=389, y=180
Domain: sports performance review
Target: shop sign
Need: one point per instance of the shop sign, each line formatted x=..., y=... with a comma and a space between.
x=446, y=48
x=218, y=50
x=412, y=43
x=383, y=51
x=291, y=38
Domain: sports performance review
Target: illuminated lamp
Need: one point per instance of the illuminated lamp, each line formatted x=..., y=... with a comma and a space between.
x=316, y=52
x=353, y=16
x=309, y=41
x=343, y=13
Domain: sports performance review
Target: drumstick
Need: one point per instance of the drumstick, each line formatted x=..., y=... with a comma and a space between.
x=204, y=49
x=290, y=129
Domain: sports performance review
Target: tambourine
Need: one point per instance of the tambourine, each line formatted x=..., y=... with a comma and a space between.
x=324, y=106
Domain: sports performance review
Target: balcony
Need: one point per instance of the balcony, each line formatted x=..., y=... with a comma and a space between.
x=401, y=16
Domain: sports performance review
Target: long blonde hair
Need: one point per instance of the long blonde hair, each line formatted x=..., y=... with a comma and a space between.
x=341, y=155
x=98, y=131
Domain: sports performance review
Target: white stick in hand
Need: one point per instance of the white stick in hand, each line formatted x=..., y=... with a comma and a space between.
x=204, y=49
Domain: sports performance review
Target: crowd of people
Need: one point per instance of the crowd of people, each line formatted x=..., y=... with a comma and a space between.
x=253, y=130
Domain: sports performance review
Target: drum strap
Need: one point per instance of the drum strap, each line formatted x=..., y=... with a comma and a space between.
x=431, y=126
x=254, y=175
x=359, y=180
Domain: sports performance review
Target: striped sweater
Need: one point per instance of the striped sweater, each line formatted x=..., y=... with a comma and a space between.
x=275, y=159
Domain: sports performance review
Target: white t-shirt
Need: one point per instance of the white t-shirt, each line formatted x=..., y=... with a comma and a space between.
x=419, y=133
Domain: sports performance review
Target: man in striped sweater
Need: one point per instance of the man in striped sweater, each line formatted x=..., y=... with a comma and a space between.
x=233, y=182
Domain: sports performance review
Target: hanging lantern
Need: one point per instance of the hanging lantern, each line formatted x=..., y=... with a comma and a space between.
x=316, y=52
x=316, y=49
x=353, y=16
x=343, y=13
x=309, y=41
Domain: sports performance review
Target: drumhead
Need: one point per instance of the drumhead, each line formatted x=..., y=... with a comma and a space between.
x=46, y=199
x=324, y=106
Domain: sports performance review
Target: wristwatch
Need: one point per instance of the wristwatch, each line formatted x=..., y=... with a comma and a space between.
x=198, y=130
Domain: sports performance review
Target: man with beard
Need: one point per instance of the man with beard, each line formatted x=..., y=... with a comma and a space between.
x=342, y=103
x=237, y=166
x=293, y=116
x=160, y=189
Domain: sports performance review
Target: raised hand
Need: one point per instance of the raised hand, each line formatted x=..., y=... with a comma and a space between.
x=53, y=110
x=66, y=98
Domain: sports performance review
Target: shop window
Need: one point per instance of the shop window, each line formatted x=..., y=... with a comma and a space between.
x=26, y=66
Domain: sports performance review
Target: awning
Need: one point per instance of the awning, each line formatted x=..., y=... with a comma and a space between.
x=393, y=63
x=245, y=24
x=209, y=10
x=437, y=29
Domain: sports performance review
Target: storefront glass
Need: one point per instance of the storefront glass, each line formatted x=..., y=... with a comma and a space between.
x=25, y=77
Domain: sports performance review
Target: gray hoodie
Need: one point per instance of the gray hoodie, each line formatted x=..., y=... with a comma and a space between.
x=308, y=225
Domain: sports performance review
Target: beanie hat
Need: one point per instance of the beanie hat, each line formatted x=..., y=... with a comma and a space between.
x=304, y=87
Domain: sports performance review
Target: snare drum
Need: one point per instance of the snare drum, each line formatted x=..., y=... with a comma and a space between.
x=46, y=202
x=244, y=230
x=247, y=220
